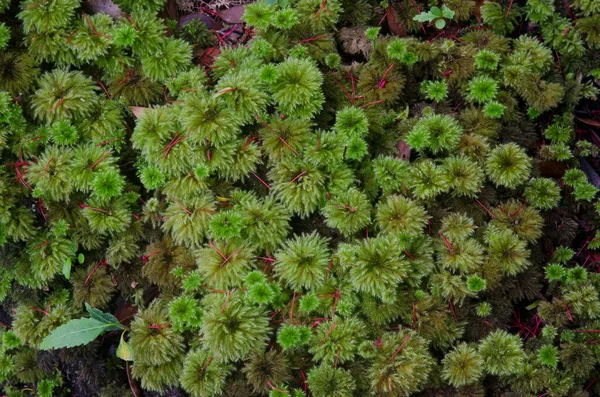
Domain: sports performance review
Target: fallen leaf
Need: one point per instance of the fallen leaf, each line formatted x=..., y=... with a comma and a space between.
x=137, y=111
x=591, y=122
x=233, y=14
x=590, y=172
x=103, y=6
x=404, y=150
x=208, y=21
x=392, y=21
x=124, y=351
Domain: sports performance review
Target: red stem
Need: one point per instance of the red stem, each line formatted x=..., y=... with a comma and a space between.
x=261, y=181
x=99, y=160
x=400, y=348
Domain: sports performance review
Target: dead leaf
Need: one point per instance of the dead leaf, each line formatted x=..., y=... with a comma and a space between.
x=208, y=21
x=404, y=150
x=233, y=14
x=392, y=21
x=137, y=111
x=591, y=122
x=590, y=172
x=103, y=6
x=552, y=169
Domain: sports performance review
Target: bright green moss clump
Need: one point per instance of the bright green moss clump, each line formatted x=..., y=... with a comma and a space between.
x=328, y=198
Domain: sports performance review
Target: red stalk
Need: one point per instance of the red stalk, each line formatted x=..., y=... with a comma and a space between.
x=107, y=142
x=274, y=388
x=383, y=81
x=400, y=348
x=216, y=249
x=277, y=135
x=448, y=245
x=101, y=263
x=60, y=101
x=99, y=160
x=485, y=208
x=298, y=176
x=414, y=310
x=229, y=257
x=518, y=210
x=452, y=308
x=207, y=363
x=345, y=92
x=146, y=257
x=366, y=105
x=328, y=332
x=182, y=207
x=509, y=7
x=261, y=181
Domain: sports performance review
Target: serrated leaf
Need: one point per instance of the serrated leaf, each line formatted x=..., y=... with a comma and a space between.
x=447, y=13
x=74, y=333
x=436, y=11
x=112, y=323
x=424, y=17
x=66, y=268
x=533, y=305
x=124, y=351
x=440, y=23
x=80, y=258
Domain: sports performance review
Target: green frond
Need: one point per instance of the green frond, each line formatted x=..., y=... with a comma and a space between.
x=349, y=212
x=463, y=175
x=400, y=215
x=436, y=132
x=188, y=221
x=335, y=340
x=401, y=365
x=64, y=94
x=507, y=251
x=379, y=264
x=524, y=221
x=231, y=330
x=303, y=262
x=224, y=264
x=427, y=180
x=328, y=381
x=502, y=353
x=158, y=349
x=508, y=165
x=462, y=365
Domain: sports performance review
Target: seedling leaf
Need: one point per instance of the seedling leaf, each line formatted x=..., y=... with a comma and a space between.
x=74, y=333
x=112, y=323
x=124, y=351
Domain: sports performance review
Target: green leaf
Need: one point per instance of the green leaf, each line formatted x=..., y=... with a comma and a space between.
x=436, y=11
x=112, y=323
x=447, y=13
x=80, y=258
x=74, y=333
x=124, y=351
x=424, y=17
x=440, y=23
x=66, y=268
x=533, y=305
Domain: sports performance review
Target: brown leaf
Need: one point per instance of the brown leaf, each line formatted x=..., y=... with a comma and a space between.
x=135, y=388
x=591, y=122
x=137, y=111
x=233, y=14
x=208, y=21
x=103, y=6
x=404, y=150
x=392, y=21
x=552, y=169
